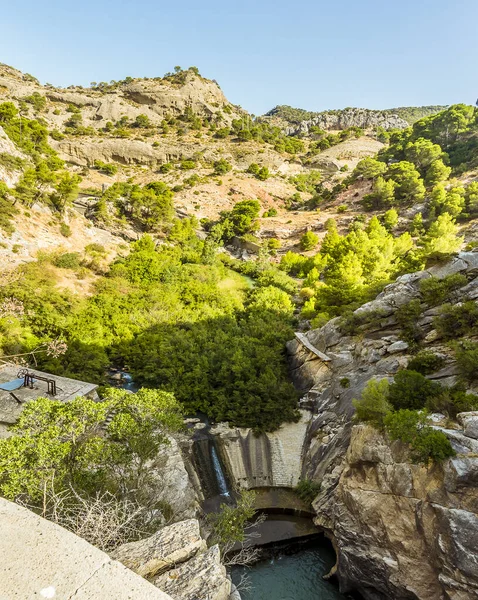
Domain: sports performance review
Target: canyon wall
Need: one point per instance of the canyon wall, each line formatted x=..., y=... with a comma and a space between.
x=401, y=531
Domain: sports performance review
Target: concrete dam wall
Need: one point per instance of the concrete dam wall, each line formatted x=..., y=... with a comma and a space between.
x=264, y=460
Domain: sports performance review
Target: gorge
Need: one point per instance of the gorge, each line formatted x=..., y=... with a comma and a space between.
x=283, y=304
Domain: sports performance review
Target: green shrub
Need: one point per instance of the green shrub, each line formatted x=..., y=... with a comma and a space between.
x=426, y=443
x=453, y=401
x=307, y=490
x=69, y=260
x=373, y=405
x=222, y=166
x=36, y=100
x=106, y=168
x=344, y=382
x=426, y=362
x=95, y=248
x=467, y=360
x=437, y=291
x=457, y=321
x=65, y=230
x=407, y=317
x=272, y=212
x=432, y=445
x=309, y=240
x=16, y=248
x=187, y=165
x=411, y=390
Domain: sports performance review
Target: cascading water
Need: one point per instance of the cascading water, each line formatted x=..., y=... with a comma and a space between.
x=211, y=473
x=219, y=471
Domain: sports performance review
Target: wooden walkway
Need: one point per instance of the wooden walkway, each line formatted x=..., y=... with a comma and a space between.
x=305, y=342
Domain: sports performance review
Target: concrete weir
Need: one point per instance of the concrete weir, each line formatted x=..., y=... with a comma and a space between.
x=264, y=460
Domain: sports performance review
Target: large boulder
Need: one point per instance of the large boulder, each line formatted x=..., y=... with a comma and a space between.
x=162, y=551
x=201, y=578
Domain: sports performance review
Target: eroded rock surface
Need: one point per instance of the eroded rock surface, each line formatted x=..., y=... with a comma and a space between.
x=176, y=559
x=401, y=531
x=162, y=551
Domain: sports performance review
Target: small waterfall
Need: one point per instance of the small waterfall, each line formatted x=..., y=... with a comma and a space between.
x=209, y=468
x=218, y=470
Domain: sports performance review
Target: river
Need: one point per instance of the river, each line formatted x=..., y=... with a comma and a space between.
x=285, y=576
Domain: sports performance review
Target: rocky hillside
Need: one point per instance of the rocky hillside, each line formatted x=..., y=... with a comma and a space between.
x=401, y=530
x=296, y=121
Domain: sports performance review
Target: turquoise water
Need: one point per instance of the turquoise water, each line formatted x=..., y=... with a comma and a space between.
x=291, y=577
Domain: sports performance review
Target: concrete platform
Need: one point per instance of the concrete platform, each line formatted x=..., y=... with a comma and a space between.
x=10, y=409
x=42, y=560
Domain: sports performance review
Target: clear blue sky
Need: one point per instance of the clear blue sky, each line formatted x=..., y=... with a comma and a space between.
x=309, y=54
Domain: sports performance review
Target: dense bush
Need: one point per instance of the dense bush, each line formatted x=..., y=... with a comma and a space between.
x=69, y=260
x=407, y=317
x=222, y=166
x=307, y=490
x=411, y=390
x=309, y=240
x=373, y=405
x=426, y=362
x=89, y=447
x=437, y=291
x=467, y=360
x=457, y=321
x=426, y=443
x=106, y=168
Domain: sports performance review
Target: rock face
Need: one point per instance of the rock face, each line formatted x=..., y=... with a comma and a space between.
x=42, y=560
x=203, y=577
x=399, y=529
x=402, y=531
x=169, y=481
x=268, y=459
x=350, y=117
x=176, y=560
x=163, y=550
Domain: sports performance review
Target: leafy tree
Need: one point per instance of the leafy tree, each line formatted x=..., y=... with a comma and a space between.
x=409, y=185
x=411, y=390
x=309, y=240
x=390, y=219
x=60, y=444
x=373, y=405
x=441, y=238
x=422, y=153
x=437, y=172
x=369, y=168
x=382, y=195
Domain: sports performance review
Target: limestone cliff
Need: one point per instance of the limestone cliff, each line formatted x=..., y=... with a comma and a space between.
x=400, y=531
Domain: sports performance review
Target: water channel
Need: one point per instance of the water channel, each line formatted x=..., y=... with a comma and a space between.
x=296, y=556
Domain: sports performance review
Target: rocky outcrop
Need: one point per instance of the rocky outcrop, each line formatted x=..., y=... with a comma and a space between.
x=169, y=481
x=268, y=459
x=202, y=577
x=176, y=560
x=42, y=560
x=401, y=530
x=162, y=551
x=349, y=117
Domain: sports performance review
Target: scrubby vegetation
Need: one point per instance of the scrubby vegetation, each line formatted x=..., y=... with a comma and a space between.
x=400, y=408
x=180, y=319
